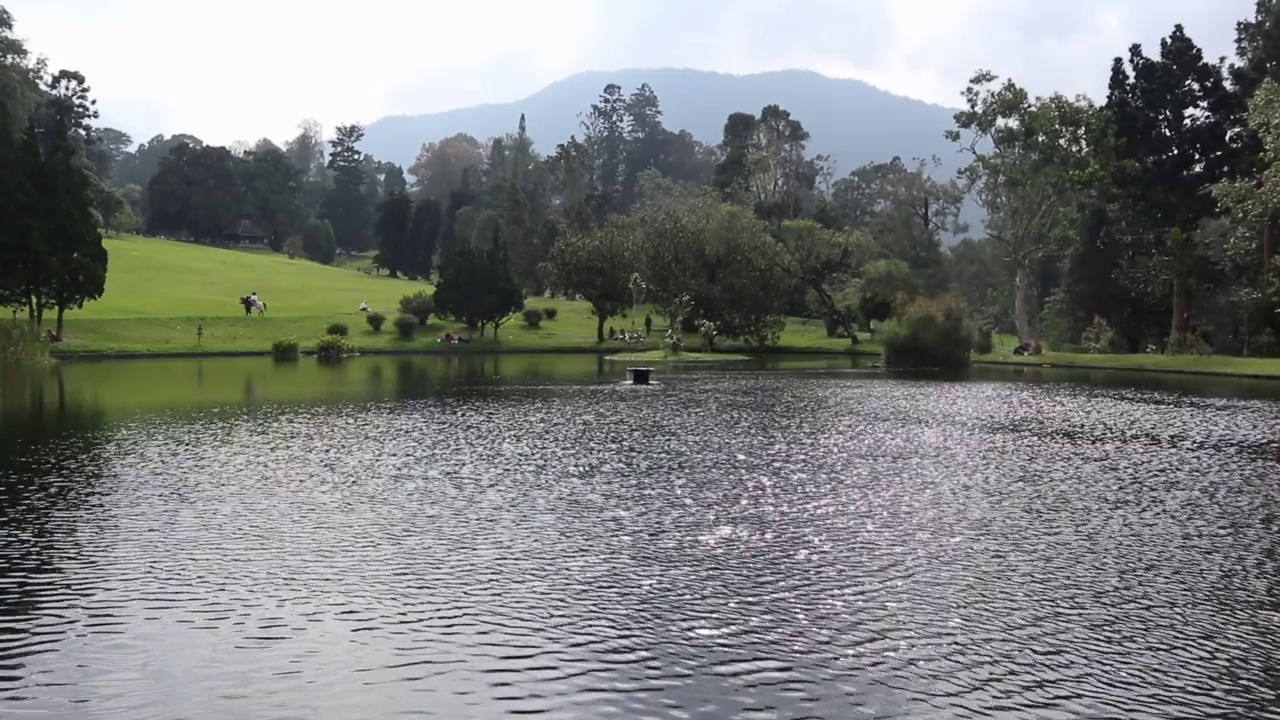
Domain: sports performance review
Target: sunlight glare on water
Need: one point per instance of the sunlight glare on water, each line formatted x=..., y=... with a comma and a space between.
x=724, y=544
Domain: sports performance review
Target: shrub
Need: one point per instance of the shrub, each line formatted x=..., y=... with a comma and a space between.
x=550, y=313
x=333, y=347
x=928, y=333
x=405, y=325
x=1099, y=338
x=20, y=343
x=420, y=305
x=532, y=317
x=339, y=329
x=982, y=341
x=375, y=320
x=284, y=350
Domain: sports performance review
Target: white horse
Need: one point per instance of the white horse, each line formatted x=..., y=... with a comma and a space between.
x=251, y=303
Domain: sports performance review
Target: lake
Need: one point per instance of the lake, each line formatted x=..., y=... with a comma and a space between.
x=472, y=537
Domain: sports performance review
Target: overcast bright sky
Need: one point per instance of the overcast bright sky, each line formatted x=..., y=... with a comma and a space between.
x=228, y=70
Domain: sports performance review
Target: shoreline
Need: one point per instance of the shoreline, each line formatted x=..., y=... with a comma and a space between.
x=107, y=355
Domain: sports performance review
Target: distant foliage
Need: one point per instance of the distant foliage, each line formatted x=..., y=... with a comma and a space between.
x=419, y=304
x=532, y=317
x=928, y=333
x=1056, y=325
x=333, y=347
x=293, y=247
x=284, y=350
x=1099, y=338
x=336, y=329
x=21, y=344
x=1265, y=345
x=983, y=342
x=375, y=320
x=406, y=325
x=550, y=313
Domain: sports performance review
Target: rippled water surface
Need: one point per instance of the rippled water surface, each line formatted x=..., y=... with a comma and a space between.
x=469, y=538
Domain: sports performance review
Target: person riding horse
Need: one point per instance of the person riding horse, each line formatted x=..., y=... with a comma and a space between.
x=250, y=302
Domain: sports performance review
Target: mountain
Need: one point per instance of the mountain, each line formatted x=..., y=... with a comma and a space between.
x=850, y=120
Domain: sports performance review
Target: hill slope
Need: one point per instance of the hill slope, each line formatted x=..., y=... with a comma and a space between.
x=848, y=119
x=152, y=278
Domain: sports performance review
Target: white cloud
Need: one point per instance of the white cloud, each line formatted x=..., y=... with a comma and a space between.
x=230, y=70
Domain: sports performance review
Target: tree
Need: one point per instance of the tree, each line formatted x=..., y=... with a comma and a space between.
x=318, y=241
x=1024, y=155
x=1171, y=117
x=391, y=228
x=19, y=77
x=393, y=179
x=347, y=205
x=306, y=152
x=597, y=265
x=824, y=262
x=441, y=165
x=764, y=165
x=424, y=233
x=905, y=210
x=604, y=135
x=476, y=286
x=1256, y=200
x=272, y=189
x=721, y=257
x=21, y=256
x=62, y=263
x=882, y=284
x=198, y=191
x=138, y=167
x=108, y=148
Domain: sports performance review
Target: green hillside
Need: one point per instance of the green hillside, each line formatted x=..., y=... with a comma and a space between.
x=159, y=291
x=151, y=278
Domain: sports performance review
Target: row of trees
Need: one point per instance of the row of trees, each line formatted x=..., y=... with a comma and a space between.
x=51, y=253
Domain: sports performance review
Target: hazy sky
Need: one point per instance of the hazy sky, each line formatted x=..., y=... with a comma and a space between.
x=228, y=70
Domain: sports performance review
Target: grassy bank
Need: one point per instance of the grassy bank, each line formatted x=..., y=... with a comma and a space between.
x=159, y=291
x=1217, y=364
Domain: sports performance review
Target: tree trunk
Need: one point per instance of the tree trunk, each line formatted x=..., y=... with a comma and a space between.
x=599, y=327
x=1021, y=290
x=58, y=327
x=847, y=322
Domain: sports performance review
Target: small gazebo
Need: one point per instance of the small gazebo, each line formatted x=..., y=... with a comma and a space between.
x=244, y=232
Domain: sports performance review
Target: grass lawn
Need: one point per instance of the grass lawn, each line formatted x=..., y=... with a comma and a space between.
x=159, y=291
x=1223, y=364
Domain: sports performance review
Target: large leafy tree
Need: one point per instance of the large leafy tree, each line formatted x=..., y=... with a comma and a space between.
x=598, y=265
x=273, y=193
x=440, y=165
x=719, y=256
x=1024, y=158
x=824, y=262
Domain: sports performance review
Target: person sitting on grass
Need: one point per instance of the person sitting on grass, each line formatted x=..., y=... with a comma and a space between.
x=364, y=306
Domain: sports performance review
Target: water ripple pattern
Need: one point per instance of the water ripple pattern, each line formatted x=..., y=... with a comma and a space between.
x=718, y=545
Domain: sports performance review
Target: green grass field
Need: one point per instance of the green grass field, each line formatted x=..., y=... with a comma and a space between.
x=159, y=291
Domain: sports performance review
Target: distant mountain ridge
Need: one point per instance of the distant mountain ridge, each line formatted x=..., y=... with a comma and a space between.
x=850, y=120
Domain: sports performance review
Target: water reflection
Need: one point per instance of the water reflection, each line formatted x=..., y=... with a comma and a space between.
x=472, y=537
